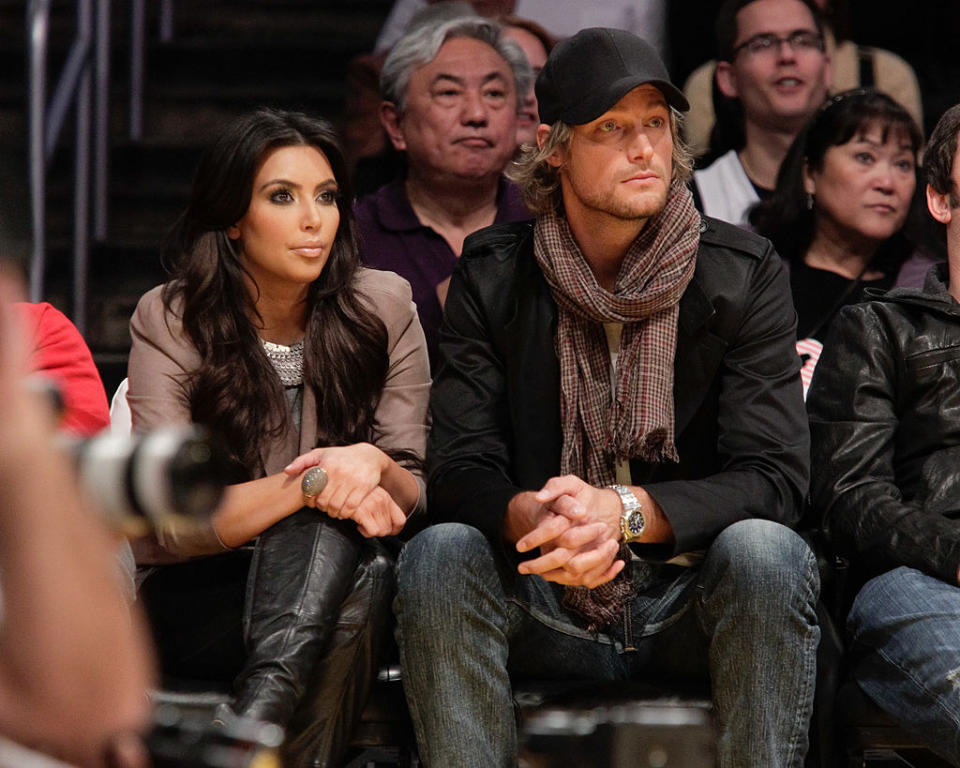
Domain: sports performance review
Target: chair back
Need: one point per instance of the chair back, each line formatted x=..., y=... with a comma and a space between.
x=121, y=421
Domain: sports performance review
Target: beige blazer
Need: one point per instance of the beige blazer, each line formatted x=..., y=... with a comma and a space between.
x=162, y=357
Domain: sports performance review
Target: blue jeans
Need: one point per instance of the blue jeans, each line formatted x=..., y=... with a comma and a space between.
x=906, y=624
x=745, y=619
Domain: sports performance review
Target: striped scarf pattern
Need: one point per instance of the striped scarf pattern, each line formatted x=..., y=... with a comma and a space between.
x=655, y=272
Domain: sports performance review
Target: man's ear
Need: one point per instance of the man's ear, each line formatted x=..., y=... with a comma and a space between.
x=556, y=158
x=390, y=120
x=727, y=80
x=939, y=205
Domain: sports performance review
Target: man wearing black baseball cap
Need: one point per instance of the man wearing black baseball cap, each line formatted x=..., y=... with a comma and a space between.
x=619, y=442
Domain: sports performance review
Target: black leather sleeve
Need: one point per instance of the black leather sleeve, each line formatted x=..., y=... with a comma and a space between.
x=855, y=414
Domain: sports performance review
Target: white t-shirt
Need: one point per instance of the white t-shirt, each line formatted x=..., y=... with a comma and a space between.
x=725, y=190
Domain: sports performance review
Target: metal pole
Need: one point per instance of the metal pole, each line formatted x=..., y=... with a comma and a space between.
x=137, y=35
x=101, y=148
x=81, y=181
x=166, y=21
x=38, y=24
x=66, y=90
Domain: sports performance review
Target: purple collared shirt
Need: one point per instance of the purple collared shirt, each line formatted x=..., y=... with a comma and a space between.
x=392, y=237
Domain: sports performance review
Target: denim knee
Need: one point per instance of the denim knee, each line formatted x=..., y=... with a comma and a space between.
x=906, y=603
x=440, y=554
x=764, y=558
x=906, y=626
x=757, y=605
x=440, y=565
x=903, y=594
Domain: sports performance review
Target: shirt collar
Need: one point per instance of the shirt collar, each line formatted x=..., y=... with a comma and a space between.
x=396, y=213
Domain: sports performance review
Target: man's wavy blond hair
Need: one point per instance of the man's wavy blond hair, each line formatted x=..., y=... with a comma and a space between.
x=539, y=182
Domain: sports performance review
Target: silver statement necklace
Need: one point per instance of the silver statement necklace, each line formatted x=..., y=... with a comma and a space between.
x=286, y=361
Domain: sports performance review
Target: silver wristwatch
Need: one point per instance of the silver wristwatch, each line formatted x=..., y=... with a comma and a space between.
x=632, y=521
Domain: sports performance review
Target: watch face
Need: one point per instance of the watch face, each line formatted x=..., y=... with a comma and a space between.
x=635, y=523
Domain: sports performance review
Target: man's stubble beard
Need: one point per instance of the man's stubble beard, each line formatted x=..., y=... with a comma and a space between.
x=625, y=210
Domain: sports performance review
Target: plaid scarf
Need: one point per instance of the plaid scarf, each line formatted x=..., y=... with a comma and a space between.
x=655, y=271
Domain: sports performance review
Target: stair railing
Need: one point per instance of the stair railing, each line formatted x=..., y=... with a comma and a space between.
x=138, y=37
x=83, y=83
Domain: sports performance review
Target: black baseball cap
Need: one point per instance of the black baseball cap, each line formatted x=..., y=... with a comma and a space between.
x=588, y=73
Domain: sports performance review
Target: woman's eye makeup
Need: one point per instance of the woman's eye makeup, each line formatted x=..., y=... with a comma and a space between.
x=284, y=195
x=281, y=195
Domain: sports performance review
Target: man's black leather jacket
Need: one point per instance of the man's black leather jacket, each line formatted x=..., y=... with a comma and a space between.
x=885, y=427
x=741, y=427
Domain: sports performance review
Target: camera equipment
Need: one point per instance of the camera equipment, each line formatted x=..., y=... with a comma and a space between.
x=647, y=734
x=181, y=739
x=167, y=479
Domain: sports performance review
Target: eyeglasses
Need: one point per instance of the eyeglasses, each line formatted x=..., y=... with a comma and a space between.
x=769, y=44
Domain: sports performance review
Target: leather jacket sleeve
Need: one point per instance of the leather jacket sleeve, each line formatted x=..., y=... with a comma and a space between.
x=161, y=359
x=855, y=413
x=468, y=454
x=401, y=413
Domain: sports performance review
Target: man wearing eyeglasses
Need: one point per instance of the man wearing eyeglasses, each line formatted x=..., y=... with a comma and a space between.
x=775, y=71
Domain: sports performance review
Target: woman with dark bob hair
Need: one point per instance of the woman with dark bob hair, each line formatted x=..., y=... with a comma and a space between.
x=313, y=372
x=844, y=203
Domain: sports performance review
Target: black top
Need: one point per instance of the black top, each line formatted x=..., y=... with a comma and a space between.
x=818, y=294
x=741, y=426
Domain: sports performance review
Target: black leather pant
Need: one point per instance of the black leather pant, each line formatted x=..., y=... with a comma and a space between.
x=316, y=615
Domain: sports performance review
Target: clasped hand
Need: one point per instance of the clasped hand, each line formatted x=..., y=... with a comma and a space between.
x=353, y=490
x=577, y=528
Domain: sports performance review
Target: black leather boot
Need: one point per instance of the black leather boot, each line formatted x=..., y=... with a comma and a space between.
x=303, y=568
x=322, y=726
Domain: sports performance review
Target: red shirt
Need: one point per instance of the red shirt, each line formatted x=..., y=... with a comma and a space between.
x=60, y=353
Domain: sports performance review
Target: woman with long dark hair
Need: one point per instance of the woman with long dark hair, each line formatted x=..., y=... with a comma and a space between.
x=313, y=372
x=844, y=204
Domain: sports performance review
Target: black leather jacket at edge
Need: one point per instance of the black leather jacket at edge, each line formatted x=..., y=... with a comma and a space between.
x=884, y=411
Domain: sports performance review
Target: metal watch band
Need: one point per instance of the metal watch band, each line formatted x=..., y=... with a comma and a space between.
x=632, y=521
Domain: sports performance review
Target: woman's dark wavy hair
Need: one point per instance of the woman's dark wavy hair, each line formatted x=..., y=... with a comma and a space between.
x=235, y=391
x=785, y=218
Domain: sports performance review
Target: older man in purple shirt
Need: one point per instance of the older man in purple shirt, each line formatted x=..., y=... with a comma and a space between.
x=451, y=94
